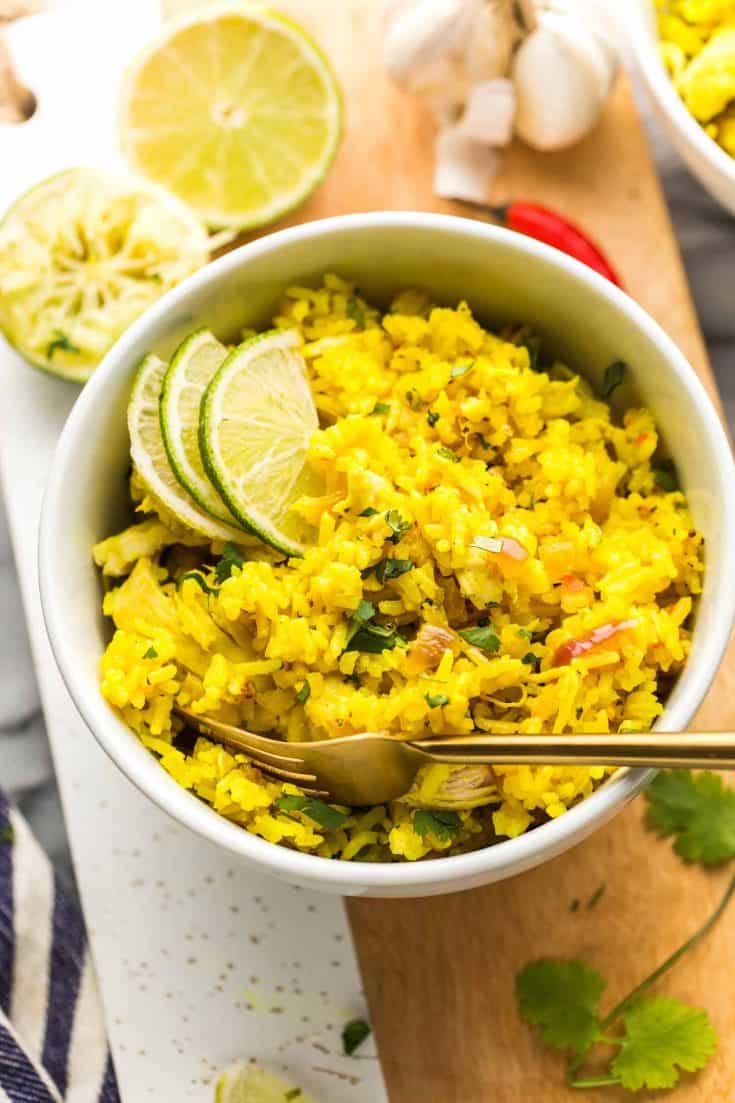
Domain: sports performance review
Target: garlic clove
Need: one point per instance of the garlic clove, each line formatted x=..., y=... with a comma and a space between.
x=489, y=112
x=464, y=168
x=422, y=33
x=558, y=94
x=591, y=48
x=494, y=35
x=443, y=87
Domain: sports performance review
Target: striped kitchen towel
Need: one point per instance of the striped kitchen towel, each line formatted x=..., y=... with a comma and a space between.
x=53, y=1046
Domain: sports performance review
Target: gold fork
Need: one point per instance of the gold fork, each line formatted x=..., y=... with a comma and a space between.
x=373, y=767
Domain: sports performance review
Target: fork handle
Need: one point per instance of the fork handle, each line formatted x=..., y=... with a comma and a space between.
x=713, y=750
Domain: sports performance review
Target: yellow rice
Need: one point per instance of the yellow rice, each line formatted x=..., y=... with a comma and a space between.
x=468, y=443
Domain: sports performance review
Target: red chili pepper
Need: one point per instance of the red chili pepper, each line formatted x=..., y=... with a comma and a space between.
x=573, y=648
x=550, y=228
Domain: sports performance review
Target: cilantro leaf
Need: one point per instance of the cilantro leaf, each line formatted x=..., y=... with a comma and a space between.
x=484, y=638
x=414, y=399
x=354, y=311
x=354, y=1034
x=62, y=342
x=231, y=557
x=662, y=1036
x=461, y=369
x=151, y=653
x=447, y=454
x=304, y=693
x=387, y=569
x=381, y=408
x=368, y=637
x=666, y=476
x=613, y=377
x=436, y=700
x=525, y=633
x=432, y=417
x=440, y=823
x=200, y=581
x=561, y=997
x=530, y=659
x=369, y=511
x=323, y=814
x=698, y=809
x=398, y=525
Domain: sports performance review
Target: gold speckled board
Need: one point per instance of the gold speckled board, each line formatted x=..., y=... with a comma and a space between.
x=439, y=972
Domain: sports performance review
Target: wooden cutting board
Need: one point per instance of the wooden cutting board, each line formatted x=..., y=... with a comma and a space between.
x=439, y=972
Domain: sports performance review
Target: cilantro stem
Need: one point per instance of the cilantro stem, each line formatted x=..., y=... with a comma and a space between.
x=626, y=1003
x=602, y=1082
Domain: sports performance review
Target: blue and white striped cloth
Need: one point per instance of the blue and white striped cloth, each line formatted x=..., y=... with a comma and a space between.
x=53, y=1046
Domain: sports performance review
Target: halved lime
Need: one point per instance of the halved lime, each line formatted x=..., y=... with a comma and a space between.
x=236, y=111
x=192, y=368
x=81, y=256
x=149, y=456
x=256, y=419
x=242, y=1083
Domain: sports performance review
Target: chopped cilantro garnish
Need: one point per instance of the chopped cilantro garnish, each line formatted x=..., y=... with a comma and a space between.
x=666, y=476
x=414, y=399
x=432, y=417
x=597, y=895
x=660, y=1037
x=231, y=557
x=303, y=694
x=372, y=638
x=525, y=633
x=447, y=454
x=369, y=511
x=392, y=568
x=436, y=700
x=200, y=581
x=381, y=408
x=461, y=369
x=354, y=311
x=483, y=442
x=151, y=653
x=440, y=823
x=397, y=524
x=698, y=810
x=7, y=834
x=61, y=342
x=354, y=1034
x=613, y=377
x=530, y=659
x=323, y=814
x=481, y=637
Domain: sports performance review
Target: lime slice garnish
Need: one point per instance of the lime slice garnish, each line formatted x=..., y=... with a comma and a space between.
x=236, y=111
x=256, y=420
x=149, y=455
x=192, y=368
x=242, y=1083
x=81, y=256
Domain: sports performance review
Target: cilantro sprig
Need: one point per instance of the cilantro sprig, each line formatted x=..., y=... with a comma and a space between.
x=365, y=635
x=660, y=1037
x=354, y=1034
x=324, y=814
x=698, y=810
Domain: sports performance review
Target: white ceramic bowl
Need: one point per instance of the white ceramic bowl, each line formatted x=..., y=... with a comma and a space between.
x=505, y=277
x=709, y=163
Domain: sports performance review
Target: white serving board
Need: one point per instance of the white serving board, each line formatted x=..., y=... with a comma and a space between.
x=201, y=961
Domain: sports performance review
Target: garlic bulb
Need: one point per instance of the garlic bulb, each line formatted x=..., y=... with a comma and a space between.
x=422, y=33
x=494, y=34
x=563, y=73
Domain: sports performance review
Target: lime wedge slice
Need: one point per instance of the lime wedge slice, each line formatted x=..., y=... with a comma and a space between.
x=149, y=456
x=236, y=111
x=256, y=420
x=82, y=254
x=192, y=368
x=244, y=1084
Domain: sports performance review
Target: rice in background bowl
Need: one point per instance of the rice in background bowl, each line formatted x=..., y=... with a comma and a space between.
x=506, y=280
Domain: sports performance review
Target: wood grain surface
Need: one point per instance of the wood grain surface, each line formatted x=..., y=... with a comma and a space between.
x=439, y=972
